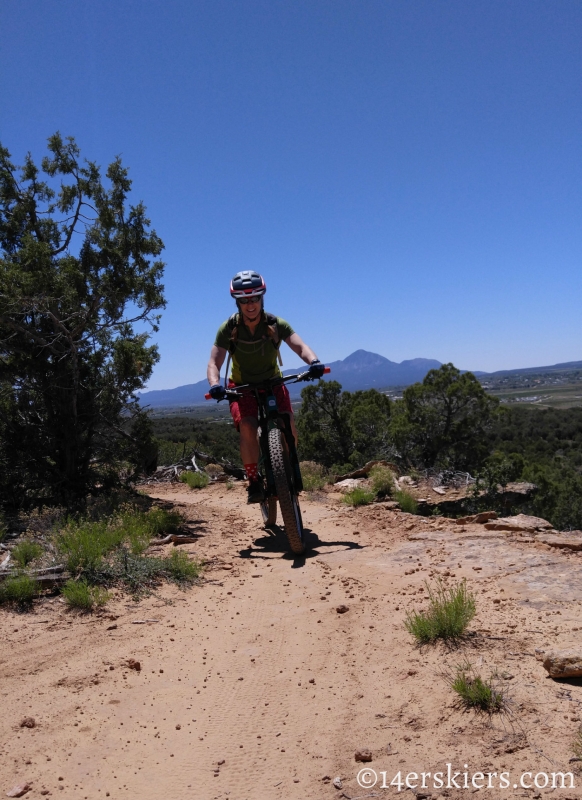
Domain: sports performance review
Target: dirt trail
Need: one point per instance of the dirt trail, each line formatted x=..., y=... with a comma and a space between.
x=252, y=685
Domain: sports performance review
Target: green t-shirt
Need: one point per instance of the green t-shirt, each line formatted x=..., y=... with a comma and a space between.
x=255, y=357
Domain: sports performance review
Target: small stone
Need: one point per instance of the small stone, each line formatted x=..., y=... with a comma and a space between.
x=221, y=762
x=19, y=790
x=342, y=609
x=363, y=755
x=337, y=782
x=111, y=627
x=178, y=727
x=28, y=722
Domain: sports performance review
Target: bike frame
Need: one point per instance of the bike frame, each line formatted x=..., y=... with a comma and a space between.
x=270, y=417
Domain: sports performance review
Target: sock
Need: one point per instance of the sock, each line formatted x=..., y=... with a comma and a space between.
x=252, y=471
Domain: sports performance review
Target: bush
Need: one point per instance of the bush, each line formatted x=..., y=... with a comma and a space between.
x=20, y=590
x=181, y=568
x=139, y=527
x=84, y=544
x=25, y=552
x=577, y=744
x=214, y=470
x=476, y=692
x=195, y=480
x=358, y=497
x=406, y=501
x=313, y=474
x=382, y=479
x=449, y=613
x=79, y=594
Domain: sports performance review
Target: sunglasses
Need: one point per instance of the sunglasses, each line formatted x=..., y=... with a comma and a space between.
x=244, y=300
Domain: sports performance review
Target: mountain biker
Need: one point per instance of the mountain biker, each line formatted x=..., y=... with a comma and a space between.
x=253, y=337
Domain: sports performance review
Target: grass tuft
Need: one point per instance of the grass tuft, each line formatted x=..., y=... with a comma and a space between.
x=475, y=692
x=314, y=475
x=195, y=480
x=20, y=590
x=181, y=568
x=449, y=613
x=25, y=552
x=406, y=501
x=80, y=595
x=358, y=497
x=382, y=479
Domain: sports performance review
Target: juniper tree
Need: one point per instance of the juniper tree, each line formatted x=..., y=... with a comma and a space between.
x=80, y=290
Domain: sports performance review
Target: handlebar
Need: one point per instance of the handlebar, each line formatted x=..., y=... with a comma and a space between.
x=302, y=376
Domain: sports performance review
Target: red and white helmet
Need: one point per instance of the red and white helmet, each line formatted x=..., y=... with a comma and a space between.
x=247, y=284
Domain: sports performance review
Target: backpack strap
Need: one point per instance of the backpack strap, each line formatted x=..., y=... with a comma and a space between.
x=272, y=332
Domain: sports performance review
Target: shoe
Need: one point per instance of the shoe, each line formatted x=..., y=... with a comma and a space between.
x=256, y=492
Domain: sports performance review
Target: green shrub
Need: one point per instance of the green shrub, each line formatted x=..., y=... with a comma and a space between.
x=79, y=594
x=449, y=613
x=406, y=501
x=358, y=497
x=229, y=485
x=577, y=744
x=139, y=527
x=181, y=568
x=19, y=589
x=84, y=544
x=25, y=552
x=382, y=479
x=476, y=692
x=314, y=475
x=195, y=480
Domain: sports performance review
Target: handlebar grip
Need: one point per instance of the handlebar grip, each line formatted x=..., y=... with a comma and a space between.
x=208, y=397
x=327, y=370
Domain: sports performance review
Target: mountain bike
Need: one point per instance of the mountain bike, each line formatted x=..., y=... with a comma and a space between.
x=278, y=464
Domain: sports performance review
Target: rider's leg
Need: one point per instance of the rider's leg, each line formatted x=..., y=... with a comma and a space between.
x=249, y=443
x=249, y=451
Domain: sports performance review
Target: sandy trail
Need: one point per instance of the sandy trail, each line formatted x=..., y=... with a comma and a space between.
x=253, y=686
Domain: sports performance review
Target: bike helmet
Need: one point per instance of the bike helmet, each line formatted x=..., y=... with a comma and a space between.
x=247, y=284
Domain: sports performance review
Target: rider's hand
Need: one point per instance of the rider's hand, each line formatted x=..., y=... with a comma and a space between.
x=316, y=370
x=217, y=392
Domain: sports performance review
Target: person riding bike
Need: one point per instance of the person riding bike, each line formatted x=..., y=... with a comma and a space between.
x=252, y=337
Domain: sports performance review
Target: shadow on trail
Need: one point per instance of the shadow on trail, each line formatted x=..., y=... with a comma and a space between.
x=275, y=542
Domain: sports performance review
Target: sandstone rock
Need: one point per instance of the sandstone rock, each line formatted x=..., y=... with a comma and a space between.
x=28, y=722
x=563, y=663
x=348, y=484
x=520, y=522
x=337, y=782
x=566, y=541
x=363, y=755
x=479, y=519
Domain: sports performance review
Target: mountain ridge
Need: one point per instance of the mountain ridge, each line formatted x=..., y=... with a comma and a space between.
x=361, y=369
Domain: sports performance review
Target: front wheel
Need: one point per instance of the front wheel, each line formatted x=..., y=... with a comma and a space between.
x=288, y=499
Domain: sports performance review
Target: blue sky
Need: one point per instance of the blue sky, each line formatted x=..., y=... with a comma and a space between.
x=406, y=175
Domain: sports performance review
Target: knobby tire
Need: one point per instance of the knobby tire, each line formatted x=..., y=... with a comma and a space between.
x=287, y=498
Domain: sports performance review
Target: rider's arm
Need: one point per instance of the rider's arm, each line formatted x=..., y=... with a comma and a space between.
x=217, y=356
x=298, y=346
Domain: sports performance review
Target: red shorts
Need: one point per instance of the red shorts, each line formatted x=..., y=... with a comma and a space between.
x=247, y=406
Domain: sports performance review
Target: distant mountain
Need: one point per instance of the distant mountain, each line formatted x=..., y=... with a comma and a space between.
x=360, y=370
x=365, y=370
